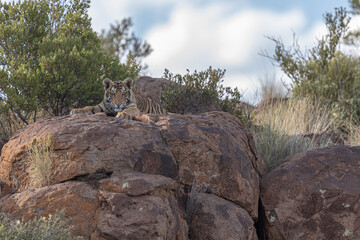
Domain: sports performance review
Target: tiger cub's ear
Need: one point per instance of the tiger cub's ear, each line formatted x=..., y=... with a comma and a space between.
x=107, y=82
x=128, y=82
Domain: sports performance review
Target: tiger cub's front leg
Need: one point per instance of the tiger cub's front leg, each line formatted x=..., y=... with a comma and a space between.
x=88, y=110
x=128, y=113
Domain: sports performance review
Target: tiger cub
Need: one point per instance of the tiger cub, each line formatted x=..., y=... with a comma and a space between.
x=120, y=101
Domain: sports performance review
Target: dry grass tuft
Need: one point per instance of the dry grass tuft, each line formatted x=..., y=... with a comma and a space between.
x=41, y=154
x=281, y=126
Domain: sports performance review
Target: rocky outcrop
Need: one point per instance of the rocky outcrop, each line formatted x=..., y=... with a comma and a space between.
x=180, y=177
x=87, y=145
x=170, y=153
x=127, y=205
x=150, y=87
x=211, y=216
x=314, y=195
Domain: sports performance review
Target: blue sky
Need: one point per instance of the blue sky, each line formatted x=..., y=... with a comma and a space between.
x=227, y=34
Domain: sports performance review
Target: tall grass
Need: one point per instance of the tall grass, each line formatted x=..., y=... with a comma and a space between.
x=280, y=126
x=40, y=153
x=296, y=116
x=51, y=228
x=353, y=137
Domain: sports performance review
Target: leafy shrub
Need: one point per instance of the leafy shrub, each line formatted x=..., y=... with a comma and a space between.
x=41, y=154
x=191, y=93
x=8, y=123
x=52, y=60
x=323, y=73
x=52, y=228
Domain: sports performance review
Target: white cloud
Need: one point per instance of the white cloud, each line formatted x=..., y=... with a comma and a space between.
x=105, y=12
x=198, y=37
x=354, y=26
x=195, y=38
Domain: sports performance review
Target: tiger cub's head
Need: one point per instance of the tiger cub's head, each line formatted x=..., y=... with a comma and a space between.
x=118, y=94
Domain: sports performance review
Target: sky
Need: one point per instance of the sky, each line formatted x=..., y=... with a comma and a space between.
x=225, y=34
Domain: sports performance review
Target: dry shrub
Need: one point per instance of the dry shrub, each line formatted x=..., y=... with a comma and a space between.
x=296, y=116
x=40, y=154
x=281, y=126
x=40, y=228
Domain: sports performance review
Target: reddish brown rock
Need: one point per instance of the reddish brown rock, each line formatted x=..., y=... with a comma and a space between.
x=78, y=200
x=314, y=195
x=129, y=205
x=140, y=206
x=86, y=145
x=150, y=87
x=216, y=218
x=212, y=147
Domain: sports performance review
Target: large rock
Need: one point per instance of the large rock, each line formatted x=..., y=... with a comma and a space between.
x=211, y=217
x=314, y=195
x=150, y=87
x=212, y=148
x=128, y=205
x=86, y=145
x=78, y=200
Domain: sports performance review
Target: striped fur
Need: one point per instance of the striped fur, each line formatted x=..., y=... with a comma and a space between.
x=146, y=105
x=120, y=101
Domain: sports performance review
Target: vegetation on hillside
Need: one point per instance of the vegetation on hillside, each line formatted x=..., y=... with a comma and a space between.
x=40, y=153
x=40, y=228
x=51, y=60
x=280, y=128
x=194, y=92
x=323, y=73
x=325, y=95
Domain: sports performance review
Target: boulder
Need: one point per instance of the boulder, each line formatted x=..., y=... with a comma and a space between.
x=216, y=218
x=127, y=205
x=212, y=148
x=78, y=200
x=150, y=87
x=85, y=145
x=314, y=195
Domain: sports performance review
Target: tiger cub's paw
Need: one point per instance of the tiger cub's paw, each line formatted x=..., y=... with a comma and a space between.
x=124, y=115
x=80, y=111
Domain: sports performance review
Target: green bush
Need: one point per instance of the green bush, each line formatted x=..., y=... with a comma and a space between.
x=323, y=73
x=52, y=228
x=192, y=93
x=51, y=59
